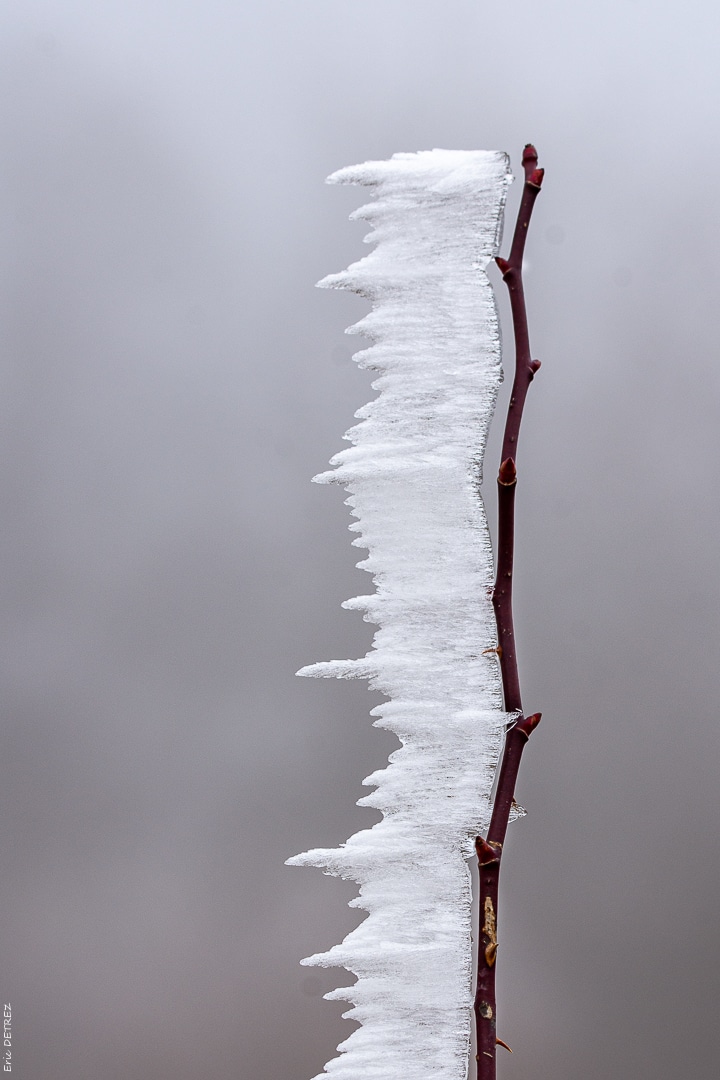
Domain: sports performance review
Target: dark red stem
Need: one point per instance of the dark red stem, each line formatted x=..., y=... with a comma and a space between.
x=490, y=851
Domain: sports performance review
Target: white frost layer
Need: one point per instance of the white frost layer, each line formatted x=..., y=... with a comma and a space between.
x=413, y=474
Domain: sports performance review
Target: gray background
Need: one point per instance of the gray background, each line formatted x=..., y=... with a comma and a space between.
x=170, y=382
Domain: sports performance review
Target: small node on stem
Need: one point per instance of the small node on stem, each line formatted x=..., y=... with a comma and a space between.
x=528, y=725
x=503, y=266
x=487, y=853
x=529, y=154
x=507, y=476
x=536, y=178
x=535, y=366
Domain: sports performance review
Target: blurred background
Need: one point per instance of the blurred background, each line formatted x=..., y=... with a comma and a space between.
x=170, y=382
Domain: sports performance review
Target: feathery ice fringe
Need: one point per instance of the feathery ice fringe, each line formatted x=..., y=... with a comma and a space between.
x=413, y=474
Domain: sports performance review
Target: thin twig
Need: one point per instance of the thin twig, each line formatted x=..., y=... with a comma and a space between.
x=489, y=851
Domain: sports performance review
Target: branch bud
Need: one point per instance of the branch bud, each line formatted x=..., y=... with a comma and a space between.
x=503, y=266
x=536, y=178
x=528, y=725
x=529, y=154
x=487, y=853
x=507, y=476
x=535, y=366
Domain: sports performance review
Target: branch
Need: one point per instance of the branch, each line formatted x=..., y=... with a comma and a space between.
x=490, y=851
x=525, y=369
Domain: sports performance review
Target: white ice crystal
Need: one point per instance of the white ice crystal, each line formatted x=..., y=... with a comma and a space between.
x=413, y=474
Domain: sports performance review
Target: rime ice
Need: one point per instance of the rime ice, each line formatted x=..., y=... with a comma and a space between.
x=413, y=474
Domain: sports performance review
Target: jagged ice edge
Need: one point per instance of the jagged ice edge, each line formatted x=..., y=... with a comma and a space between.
x=413, y=475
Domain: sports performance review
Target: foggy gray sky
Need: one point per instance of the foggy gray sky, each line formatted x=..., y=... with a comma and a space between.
x=171, y=380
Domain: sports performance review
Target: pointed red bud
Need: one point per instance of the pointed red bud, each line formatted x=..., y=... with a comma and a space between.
x=536, y=178
x=507, y=475
x=487, y=853
x=503, y=265
x=529, y=154
x=528, y=725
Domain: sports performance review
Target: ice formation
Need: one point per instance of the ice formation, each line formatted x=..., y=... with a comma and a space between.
x=413, y=475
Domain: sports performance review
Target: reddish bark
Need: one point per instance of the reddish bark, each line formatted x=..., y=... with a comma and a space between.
x=489, y=850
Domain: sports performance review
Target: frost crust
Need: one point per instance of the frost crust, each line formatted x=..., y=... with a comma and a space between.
x=413, y=473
